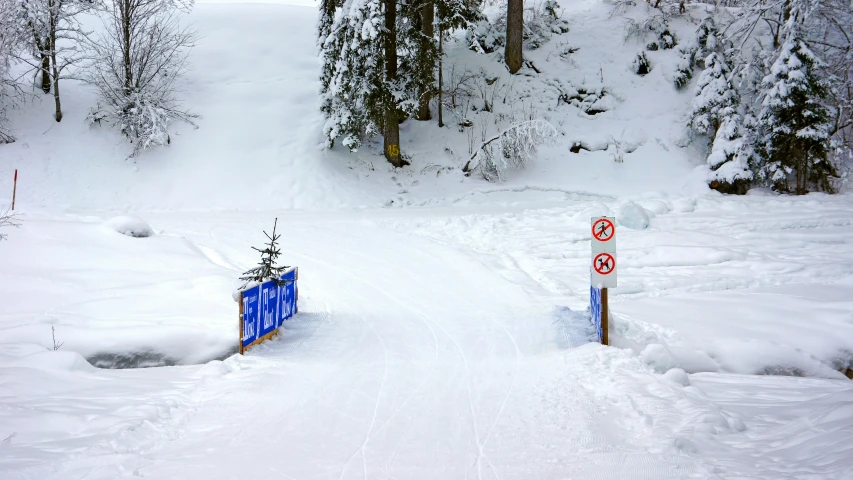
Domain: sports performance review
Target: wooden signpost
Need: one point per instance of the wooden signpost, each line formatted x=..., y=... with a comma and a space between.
x=602, y=272
x=14, y=188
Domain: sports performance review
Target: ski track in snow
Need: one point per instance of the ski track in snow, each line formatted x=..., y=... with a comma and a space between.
x=423, y=351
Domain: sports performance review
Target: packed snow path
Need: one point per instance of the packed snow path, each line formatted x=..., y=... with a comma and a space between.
x=407, y=360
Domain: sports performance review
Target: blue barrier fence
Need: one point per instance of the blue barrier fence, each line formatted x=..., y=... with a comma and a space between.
x=595, y=309
x=265, y=307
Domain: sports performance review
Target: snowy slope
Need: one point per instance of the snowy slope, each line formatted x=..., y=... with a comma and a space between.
x=258, y=141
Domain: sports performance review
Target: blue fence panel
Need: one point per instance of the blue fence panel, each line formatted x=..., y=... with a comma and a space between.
x=269, y=302
x=267, y=306
x=251, y=315
x=595, y=309
x=288, y=297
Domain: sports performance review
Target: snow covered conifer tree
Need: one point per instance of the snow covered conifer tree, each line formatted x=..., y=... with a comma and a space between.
x=715, y=98
x=354, y=61
x=361, y=94
x=730, y=157
x=797, y=137
x=136, y=64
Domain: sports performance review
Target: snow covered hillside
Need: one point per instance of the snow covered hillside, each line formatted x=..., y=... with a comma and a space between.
x=259, y=139
x=443, y=329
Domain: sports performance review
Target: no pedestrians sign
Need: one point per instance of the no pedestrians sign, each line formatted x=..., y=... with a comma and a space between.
x=603, y=257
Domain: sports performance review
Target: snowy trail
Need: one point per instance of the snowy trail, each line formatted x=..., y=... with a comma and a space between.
x=408, y=360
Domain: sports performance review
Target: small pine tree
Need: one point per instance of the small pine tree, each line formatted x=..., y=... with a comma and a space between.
x=796, y=138
x=267, y=268
x=729, y=158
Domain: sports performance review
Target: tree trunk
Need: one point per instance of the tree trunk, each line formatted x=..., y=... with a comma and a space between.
x=45, y=62
x=45, y=73
x=125, y=12
x=392, y=125
x=514, y=32
x=440, y=75
x=427, y=30
x=52, y=44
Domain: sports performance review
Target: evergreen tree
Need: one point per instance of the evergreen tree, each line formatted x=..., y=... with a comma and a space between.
x=730, y=157
x=694, y=53
x=796, y=140
x=267, y=268
x=355, y=90
x=715, y=98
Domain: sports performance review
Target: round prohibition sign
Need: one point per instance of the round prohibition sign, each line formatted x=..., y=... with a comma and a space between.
x=604, y=263
x=603, y=230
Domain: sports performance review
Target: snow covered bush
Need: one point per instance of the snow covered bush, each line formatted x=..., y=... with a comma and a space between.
x=514, y=147
x=591, y=100
x=666, y=41
x=7, y=219
x=641, y=65
x=797, y=140
x=135, y=66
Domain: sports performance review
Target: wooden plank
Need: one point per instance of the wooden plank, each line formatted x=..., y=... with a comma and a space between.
x=241, y=324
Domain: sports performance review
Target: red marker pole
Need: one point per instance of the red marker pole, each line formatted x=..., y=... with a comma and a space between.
x=14, y=189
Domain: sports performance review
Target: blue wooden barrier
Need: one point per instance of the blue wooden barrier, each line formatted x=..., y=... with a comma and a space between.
x=265, y=307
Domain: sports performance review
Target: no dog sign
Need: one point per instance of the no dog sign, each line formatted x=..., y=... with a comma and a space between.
x=603, y=256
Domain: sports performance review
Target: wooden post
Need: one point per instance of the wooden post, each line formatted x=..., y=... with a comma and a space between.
x=241, y=324
x=605, y=313
x=14, y=189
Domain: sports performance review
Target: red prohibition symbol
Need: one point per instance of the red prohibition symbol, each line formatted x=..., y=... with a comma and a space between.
x=604, y=263
x=603, y=230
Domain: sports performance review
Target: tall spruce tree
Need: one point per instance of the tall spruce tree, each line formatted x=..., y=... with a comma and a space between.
x=354, y=73
x=796, y=141
x=380, y=68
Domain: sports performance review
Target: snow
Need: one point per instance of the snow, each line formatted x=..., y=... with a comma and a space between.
x=130, y=226
x=444, y=336
x=633, y=216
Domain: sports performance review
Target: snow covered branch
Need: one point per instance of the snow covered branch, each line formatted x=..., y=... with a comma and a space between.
x=514, y=147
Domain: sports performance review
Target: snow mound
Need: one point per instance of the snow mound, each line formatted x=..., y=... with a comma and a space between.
x=678, y=376
x=131, y=226
x=54, y=360
x=632, y=216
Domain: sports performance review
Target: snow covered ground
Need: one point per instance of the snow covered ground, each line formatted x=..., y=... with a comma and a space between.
x=448, y=339
x=434, y=342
